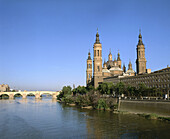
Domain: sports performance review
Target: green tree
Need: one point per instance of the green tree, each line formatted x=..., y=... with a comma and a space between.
x=80, y=90
x=120, y=88
x=102, y=104
x=142, y=90
x=65, y=92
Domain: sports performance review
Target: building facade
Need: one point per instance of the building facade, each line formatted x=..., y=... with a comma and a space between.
x=112, y=70
x=4, y=88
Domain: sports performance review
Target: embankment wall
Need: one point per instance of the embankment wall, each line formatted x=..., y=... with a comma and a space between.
x=161, y=108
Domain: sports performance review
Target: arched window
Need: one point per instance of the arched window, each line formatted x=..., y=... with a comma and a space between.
x=89, y=66
x=98, y=68
x=97, y=52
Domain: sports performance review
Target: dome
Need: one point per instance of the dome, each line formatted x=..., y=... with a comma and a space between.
x=130, y=71
x=105, y=70
x=115, y=69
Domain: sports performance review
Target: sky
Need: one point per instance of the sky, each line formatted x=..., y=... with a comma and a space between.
x=44, y=44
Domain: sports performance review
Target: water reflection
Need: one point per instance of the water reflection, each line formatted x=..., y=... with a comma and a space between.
x=46, y=118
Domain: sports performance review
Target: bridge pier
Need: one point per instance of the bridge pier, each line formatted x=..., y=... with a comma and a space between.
x=11, y=96
x=54, y=96
x=24, y=96
x=37, y=96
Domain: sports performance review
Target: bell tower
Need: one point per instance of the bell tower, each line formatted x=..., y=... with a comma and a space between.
x=141, y=60
x=110, y=56
x=89, y=69
x=97, y=61
x=119, y=62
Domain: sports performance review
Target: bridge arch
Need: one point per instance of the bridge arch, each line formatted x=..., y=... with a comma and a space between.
x=30, y=94
x=4, y=95
x=17, y=94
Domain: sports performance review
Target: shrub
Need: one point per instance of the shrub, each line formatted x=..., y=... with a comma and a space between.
x=102, y=104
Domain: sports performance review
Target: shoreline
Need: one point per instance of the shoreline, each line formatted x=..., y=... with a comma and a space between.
x=150, y=116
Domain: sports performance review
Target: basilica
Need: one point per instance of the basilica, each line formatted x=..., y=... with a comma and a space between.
x=113, y=71
x=111, y=68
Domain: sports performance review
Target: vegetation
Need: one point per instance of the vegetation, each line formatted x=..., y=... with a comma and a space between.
x=103, y=97
x=129, y=91
x=155, y=117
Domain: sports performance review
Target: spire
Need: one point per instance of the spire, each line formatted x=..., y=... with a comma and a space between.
x=104, y=64
x=97, y=37
x=89, y=55
x=130, y=65
x=124, y=68
x=118, y=56
x=110, y=56
x=140, y=38
x=114, y=58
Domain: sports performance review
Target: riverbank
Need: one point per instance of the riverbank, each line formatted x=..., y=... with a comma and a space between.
x=145, y=107
x=150, y=116
x=147, y=115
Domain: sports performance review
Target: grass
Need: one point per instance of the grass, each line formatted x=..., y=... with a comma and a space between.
x=155, y=117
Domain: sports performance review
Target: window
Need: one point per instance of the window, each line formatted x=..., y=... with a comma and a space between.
x=94, y=52
x=97, y=52
x=89, y=75
x=98, y=68
x=89, y=66
x=139, y=53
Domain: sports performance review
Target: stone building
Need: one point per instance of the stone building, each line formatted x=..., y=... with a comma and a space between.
x=110, y=68
x=112, y=71
x=158, y=79
x=4, y=88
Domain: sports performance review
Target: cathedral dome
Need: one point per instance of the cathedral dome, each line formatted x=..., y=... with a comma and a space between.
x=115, y=69
x=130, y=71
x=105, y=70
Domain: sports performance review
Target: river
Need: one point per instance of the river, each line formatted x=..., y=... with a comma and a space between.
x=48, y=119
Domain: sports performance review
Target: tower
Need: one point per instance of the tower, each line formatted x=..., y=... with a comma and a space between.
x=130, y=65
x=124, y=68
x=97, y=61
x=119, y=62
x=130, y=71
x=89, y=69
x=104, y=65
x=110, y=56
x=141, y=60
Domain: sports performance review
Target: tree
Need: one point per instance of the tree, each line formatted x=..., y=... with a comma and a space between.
x=120, y=88
x=142, y=89
x=65, y=92
x=80, y=90
x=106, y=88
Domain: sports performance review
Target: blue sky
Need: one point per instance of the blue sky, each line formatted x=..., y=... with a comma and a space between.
x=44, y=43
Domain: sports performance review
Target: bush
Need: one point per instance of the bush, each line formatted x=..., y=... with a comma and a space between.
x=102, y=104
x=82, y=100
x=68, y=99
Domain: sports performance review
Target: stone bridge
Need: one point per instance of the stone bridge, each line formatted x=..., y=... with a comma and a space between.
x=26, y=93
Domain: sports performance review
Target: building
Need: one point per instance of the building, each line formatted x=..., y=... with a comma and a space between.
x=112, y=70
x=4, y=88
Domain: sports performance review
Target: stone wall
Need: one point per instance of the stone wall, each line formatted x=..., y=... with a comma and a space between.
x=161, y=108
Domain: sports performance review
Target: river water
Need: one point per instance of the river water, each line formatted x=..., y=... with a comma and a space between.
x=48, y=119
